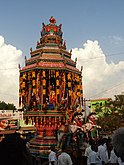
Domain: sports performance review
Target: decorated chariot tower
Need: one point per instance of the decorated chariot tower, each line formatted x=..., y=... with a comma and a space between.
x=50, y=87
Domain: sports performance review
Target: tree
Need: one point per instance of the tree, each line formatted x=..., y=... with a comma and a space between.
x=111, y=115
x=5, y=106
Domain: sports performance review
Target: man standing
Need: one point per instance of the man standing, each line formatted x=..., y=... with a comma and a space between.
x=64, y=158
x=52, y=156
x=94, y=159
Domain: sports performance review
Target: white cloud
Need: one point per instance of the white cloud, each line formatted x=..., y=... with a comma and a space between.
x=100, y=79
x=10, y=57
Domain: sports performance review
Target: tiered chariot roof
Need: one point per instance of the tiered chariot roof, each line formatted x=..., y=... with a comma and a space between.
x=50, y=51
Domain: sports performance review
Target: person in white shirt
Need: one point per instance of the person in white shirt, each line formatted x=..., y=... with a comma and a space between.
x=107, y=154
x=52, y=156
x=94, y=158
x=88, y=150
x=101, y=150
x=64, y=158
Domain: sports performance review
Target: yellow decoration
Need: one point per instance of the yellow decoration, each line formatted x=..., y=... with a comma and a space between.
x=57, y=82
x=69, y=84
x=44, y=91
x=77, y=78
x=75, y=96
x=34, y=90
x=57, y=91
x=78, y=87
x=78, y=93
x=23, y=84
x=33, y=83
x=57, y=74
x=24, y=76
x=38, y=76
x=69, y=76
x=43, y=73
x=44, y=82
x=70, y=92
x=33, y=74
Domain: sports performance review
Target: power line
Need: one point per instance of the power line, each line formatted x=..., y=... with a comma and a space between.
x=113, y=54
x=108, y=89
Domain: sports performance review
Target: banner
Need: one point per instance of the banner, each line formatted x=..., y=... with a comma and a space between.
x=8, y=124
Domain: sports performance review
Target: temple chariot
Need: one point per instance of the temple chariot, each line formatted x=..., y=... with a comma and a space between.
x=50, y=88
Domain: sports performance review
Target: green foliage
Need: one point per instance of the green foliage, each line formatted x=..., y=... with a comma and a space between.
x=111, y=115
x=5, y=106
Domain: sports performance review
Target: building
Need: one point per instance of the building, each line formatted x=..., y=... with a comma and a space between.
x=50, y=87
x=95, y=103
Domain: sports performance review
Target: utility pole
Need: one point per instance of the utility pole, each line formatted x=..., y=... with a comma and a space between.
x=85, y=109
x=85, y=114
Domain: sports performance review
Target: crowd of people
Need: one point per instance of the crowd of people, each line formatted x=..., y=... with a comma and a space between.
x=104, y=151
x=62, y=159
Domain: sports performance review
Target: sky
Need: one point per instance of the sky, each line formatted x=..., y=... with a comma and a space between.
x=93, y=29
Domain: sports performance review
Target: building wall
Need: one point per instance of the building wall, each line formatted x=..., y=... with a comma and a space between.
x=97, y=103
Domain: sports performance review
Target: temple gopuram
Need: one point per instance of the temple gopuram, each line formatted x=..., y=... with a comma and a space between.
x=50, y=88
